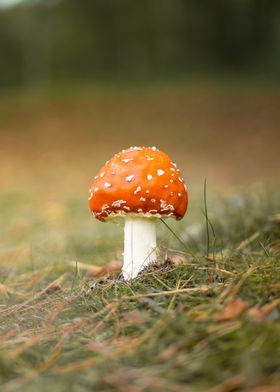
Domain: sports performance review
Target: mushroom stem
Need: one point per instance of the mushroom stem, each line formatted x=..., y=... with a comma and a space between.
x=139, y=245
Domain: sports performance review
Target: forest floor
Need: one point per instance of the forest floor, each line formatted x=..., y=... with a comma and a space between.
x=207, y=317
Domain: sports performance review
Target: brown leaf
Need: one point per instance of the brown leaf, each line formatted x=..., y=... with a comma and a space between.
x=109, y=269
x=98, y=271
x=177, y=259
x=232, y=309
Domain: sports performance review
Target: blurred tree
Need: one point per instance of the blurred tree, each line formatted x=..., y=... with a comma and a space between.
x=42, y=41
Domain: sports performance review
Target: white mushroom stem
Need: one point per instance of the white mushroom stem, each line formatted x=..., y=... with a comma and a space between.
x=139, y=245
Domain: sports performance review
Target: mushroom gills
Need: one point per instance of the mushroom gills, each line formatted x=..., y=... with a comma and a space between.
x=139, y=245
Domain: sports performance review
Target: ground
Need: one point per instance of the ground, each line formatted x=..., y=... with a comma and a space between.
x=207, y=317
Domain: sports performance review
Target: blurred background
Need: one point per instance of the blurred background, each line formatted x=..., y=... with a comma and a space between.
x=82, y=79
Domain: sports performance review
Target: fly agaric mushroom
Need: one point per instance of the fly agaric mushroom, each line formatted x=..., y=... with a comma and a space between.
x=140, y=185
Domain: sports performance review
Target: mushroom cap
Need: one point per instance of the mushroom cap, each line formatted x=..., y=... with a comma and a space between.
x=140, y=181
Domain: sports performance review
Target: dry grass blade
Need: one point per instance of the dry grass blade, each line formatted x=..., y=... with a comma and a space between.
x=52, y=287
x=199, y=289
x=230, y=385
x=248, y=241
x=50, y=361
x=4, y=291
x=232, y=289
x=75, y=367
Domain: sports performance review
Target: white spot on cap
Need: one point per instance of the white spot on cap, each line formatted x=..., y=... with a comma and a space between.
x=171, y=193
x=137, y=190
x=104, y=207
x=129, y=178
x=153, y=200
x=180, y=179
x=153, y=211
x=179, y=194
x=172, y=169
x=102, y=174
x=171, y=180
x=149, y=177
x=126, y=208
x=107, y=185
x=118, y=203
x=160, y=172
x=139, y=210
x=154, y=148
x=166, y=207
x=113, y=172
x=185, y=186
x=127, y=160
x=174, y=164
x=142, y=199
x=90, y=197
x=147, y=191
x=165, y=186
x=135, y=149
x=95, y=177
x=150, y=158
x=96, y=189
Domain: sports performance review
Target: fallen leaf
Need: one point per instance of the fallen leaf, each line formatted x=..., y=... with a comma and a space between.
x=96, y=270
x=232, y=310
x=177, y=260
x=109, y=269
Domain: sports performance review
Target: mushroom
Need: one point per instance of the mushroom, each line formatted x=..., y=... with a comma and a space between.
x=139, y=185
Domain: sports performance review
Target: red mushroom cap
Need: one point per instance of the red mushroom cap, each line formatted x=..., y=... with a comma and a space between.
x=140, y=181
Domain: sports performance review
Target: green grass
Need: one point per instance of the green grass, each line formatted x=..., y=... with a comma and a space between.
x=188, y=324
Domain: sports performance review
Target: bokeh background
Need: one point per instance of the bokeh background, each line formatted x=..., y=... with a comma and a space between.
x=82, y=79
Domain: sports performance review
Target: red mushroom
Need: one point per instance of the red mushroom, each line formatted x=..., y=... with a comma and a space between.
x=139, y=184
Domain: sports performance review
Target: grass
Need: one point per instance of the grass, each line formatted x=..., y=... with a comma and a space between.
x=207, y=317
x=192, y=323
